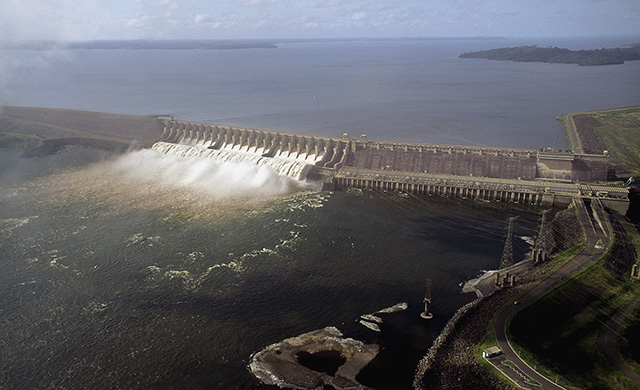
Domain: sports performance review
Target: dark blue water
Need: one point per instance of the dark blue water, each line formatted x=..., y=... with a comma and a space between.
x=146, y=271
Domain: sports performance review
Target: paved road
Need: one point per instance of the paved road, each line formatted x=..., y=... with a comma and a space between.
x=573, y=134
x=590, y=252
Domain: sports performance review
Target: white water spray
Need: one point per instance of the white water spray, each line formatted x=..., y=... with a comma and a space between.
x=283, y=166
x=217, y=174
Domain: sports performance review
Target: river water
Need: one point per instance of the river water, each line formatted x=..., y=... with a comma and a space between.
x=147, y=270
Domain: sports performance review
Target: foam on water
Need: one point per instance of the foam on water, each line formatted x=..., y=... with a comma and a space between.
x=140, y=239
x=371, y=318
x=395, y=308
x=94, y=307
x=191, y=271
x=7, y=226
x=191, y=279
x=54, y=258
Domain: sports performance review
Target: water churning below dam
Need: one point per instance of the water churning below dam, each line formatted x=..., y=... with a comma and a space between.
x=296, y=168
x=151, y=270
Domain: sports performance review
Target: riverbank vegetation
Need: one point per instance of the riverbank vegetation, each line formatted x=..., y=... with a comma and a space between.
x=559, y=55
x=564, y=331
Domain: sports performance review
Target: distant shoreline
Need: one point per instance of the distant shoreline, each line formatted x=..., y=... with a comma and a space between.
x=205, y=44
x=558, y=55
x=142, y=44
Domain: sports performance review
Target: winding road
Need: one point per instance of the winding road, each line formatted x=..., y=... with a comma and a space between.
x=573, y=134
x=596, y=243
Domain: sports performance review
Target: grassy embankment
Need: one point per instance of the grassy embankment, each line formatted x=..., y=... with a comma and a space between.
x=563, y=331
x=40, y=131
x=614, y=130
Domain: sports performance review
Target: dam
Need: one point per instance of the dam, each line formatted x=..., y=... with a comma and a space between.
x=529, y=176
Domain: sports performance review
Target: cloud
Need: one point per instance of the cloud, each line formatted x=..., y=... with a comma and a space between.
x=201, y=18
x=259, y=2
x=359, y=16
x=140, y=22
x=169, y=4
x=208, y=21
x=328, y=3
x=134, y=19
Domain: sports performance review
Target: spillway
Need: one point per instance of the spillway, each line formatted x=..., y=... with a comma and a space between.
x=296, y=168
x=291, y=155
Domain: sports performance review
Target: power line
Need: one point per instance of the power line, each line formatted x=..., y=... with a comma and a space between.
x=538, y=252
x=507, y=253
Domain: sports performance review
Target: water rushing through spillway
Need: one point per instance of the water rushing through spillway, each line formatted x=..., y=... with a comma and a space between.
x=284, y=165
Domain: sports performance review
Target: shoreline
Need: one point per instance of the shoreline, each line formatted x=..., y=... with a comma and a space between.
x=484, y=285
x=55, y=128
x=452, y=359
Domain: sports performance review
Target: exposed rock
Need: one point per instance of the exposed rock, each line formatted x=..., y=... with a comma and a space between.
x=309, y=361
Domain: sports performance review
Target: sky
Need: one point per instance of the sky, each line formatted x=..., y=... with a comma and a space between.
x=279, y=19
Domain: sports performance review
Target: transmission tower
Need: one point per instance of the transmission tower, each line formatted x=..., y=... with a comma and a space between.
x=538, y=252
x=507, y=253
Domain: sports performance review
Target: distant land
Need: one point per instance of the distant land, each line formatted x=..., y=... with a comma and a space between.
x=203, y=44
x=559, y=56
x=146, y=44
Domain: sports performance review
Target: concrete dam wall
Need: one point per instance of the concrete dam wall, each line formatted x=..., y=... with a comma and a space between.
x=503, y=174
x=504, y=163
x=325, y=153
x=446, y=159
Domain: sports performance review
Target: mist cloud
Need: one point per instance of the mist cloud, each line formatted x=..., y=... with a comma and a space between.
x=202, y=176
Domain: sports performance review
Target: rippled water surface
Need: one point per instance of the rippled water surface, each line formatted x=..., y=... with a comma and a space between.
x=110, y=279
x=402, y=90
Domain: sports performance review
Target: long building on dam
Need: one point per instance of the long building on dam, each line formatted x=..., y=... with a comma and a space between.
x=488, y=173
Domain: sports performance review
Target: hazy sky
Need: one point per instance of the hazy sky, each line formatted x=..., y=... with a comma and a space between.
x=222, y=19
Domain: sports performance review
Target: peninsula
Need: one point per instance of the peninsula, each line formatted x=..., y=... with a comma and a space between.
x=559, y=55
